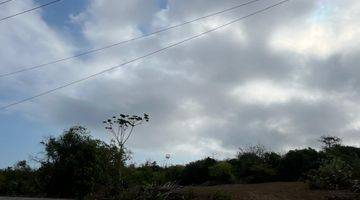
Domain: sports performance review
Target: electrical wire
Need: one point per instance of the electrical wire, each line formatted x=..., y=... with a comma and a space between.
x=4, y=2
x=25, y=69
x=29, y=10
x=143, y=56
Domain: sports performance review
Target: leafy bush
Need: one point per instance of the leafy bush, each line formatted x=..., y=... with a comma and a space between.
x=260, y=173
x=20, y=179
x=340, y=169
x=351, y=155
x=297, y=163
x=222, y=172
x=173, y=173
x=197, y=172
x=272, y=159
x=255, y=165
x=77, y=165
x=333, y=175
x=148, y=173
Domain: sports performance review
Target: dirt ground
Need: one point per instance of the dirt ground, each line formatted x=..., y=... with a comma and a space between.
x=269, y=191
x=264, y=191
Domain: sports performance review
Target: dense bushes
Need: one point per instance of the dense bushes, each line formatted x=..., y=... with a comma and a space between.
x=296, y=163
x=20, y=179
x=251, y=168
x=221, y=172
x=339, y=170
x=334, y=175
x=197, y=172
x=75, y=165
x=147, y=174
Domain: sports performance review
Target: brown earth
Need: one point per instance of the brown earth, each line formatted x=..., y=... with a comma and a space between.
x=269, y=191
x=263, y=191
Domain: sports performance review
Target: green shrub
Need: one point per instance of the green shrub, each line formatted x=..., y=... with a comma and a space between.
x=260, y=173
x=148, y=173
x=255, y=168
x=197, y=172
x=334, y=175
x=222, y=173
x=351, y=155
x=78, y=166
x=173, y=173
x=297, y=163
x=18, y=180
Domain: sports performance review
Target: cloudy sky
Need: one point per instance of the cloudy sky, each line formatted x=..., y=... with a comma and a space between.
x=281, y=78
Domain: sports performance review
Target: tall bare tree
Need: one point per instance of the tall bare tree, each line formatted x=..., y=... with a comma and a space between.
x=121, y=127
x=330, y=141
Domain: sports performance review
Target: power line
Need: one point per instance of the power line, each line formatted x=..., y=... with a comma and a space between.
x=29, y=10
x=143, y=56
x=125, y=41
x=4, y=2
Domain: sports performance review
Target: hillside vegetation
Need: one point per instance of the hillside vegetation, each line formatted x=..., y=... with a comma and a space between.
x=75, y=165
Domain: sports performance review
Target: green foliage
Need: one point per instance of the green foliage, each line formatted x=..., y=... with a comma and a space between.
x=76, y=165
x=261, y=173
x=272, y=159
x=340, y=169
x=255, y=165
x=148, y=173
x=221, y=172
x=174, y=173
x=349, y=154
x=197, y=172
x=334, y=175
x=20, y=179
x=296, y=163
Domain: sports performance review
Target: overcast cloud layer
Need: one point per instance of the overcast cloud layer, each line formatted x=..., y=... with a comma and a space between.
x=282, y=78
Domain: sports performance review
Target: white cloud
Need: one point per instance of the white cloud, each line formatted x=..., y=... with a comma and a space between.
x=231, y=88
x=331, y=28
x=267, y=92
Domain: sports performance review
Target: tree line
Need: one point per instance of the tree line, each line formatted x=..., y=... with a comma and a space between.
x=75, y=165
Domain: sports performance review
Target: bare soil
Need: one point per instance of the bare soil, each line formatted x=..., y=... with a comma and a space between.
x=263, y=191
x=269, y=191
